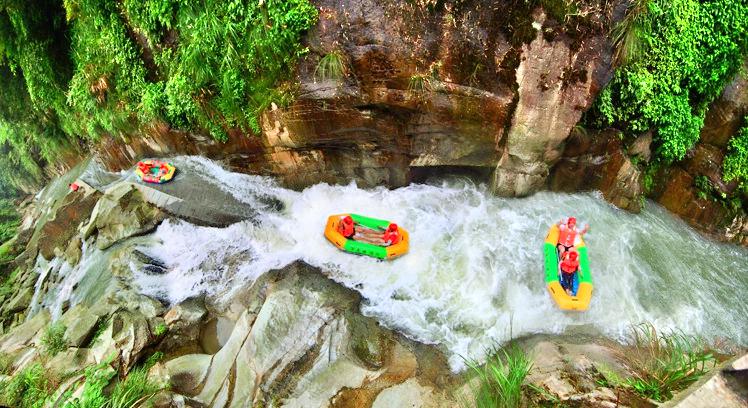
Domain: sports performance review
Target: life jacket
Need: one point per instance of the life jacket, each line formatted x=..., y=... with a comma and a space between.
x=346, y=229
x=391, y=237
x=566, y=236
x=569, y=266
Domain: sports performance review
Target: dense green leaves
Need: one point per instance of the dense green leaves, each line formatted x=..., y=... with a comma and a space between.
x=735, y=166
x=677, y=56
x=72, y=70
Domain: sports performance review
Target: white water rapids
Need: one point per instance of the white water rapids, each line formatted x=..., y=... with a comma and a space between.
x=474, y=274
x=475, y=264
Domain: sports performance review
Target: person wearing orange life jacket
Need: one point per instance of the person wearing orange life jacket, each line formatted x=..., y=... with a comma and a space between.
x=392, y=235
x=567, y=234
x=346, y=227
x=569, y=266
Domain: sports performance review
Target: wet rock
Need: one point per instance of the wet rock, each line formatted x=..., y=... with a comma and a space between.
x=70, y=361
x=725, y=115
x=59, y=231
x=621, y=183
x=550, y=104
x=186, y=374
x=23, y=334
x=80, y=322
x=411, y=394
x=724, y=387
x=20, y=301
x=641, y=147
x=121, y=213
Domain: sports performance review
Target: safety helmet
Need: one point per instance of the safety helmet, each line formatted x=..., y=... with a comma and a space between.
x=347, y=219
x=572, y=221
x=392, y=227
x=573, y=255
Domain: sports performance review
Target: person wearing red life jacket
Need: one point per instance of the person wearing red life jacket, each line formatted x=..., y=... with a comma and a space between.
x=567, y=234
x=145, y=168
x=74, y=187
x=569, y=266
x=346, y=227
x=392, y=235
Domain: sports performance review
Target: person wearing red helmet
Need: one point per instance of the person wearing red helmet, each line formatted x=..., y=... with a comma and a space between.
x=569, y=266
x=568, y=234
x=392, y=235
x=346, y=227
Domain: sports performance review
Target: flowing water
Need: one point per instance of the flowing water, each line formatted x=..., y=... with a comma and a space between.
x=474, y=274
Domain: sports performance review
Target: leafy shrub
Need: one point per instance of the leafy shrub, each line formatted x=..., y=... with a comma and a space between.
x=53, y=339
x=664, y=363
x=735, y=165
x=75, y=69
x=677, y=56
x=501, y=378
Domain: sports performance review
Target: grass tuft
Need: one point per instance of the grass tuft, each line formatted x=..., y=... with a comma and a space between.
x=500, y=378
x=53, y=339
x=30, y=388
x=332, y=66
x=664, y=363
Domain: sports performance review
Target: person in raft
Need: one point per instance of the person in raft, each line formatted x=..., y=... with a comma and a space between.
x=392, y=235
x=346, y=227
x=569, y=266
x=568, y=234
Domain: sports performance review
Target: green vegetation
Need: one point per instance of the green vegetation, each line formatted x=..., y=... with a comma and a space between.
x=9, y=221
x=664, y=363
x=735, y=166
x=53, y=339
x=676, y=56
x=332, y=66
x=160, y=329
x=29, y=388
x=72, y=69
x=134, y=390
x=500, y=378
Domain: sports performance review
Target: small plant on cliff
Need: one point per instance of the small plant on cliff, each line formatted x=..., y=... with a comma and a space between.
x=501, y=378
x=160, y=329
x=419, y=83
x=664, y=363
x=53, y=339
x=735, y=166
x=332, y=66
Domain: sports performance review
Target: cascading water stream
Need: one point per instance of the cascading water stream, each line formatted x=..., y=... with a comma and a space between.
x=474, y=268
x=474, y=274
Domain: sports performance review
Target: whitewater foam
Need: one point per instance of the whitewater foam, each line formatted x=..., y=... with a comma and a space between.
x=473, y=276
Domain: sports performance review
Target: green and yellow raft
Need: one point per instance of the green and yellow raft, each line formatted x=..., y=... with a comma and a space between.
x=582, y=288
x=364, y=248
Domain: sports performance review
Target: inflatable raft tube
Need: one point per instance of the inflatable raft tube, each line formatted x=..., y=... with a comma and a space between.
x=365, y=248
x=155, y=171
x=582, y=288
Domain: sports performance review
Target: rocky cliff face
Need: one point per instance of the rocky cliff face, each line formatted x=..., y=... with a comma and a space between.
x=492, y=86
x=494, y=89
x=602, y=160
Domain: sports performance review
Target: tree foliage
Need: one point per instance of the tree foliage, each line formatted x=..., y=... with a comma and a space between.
x=73, y=70
x=677, y=56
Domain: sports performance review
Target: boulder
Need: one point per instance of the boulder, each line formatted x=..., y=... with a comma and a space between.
x=25, y=333
x=80, y=322
x=70, y=361
x=725, y=387
x=121, y=213
x=557, y=83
